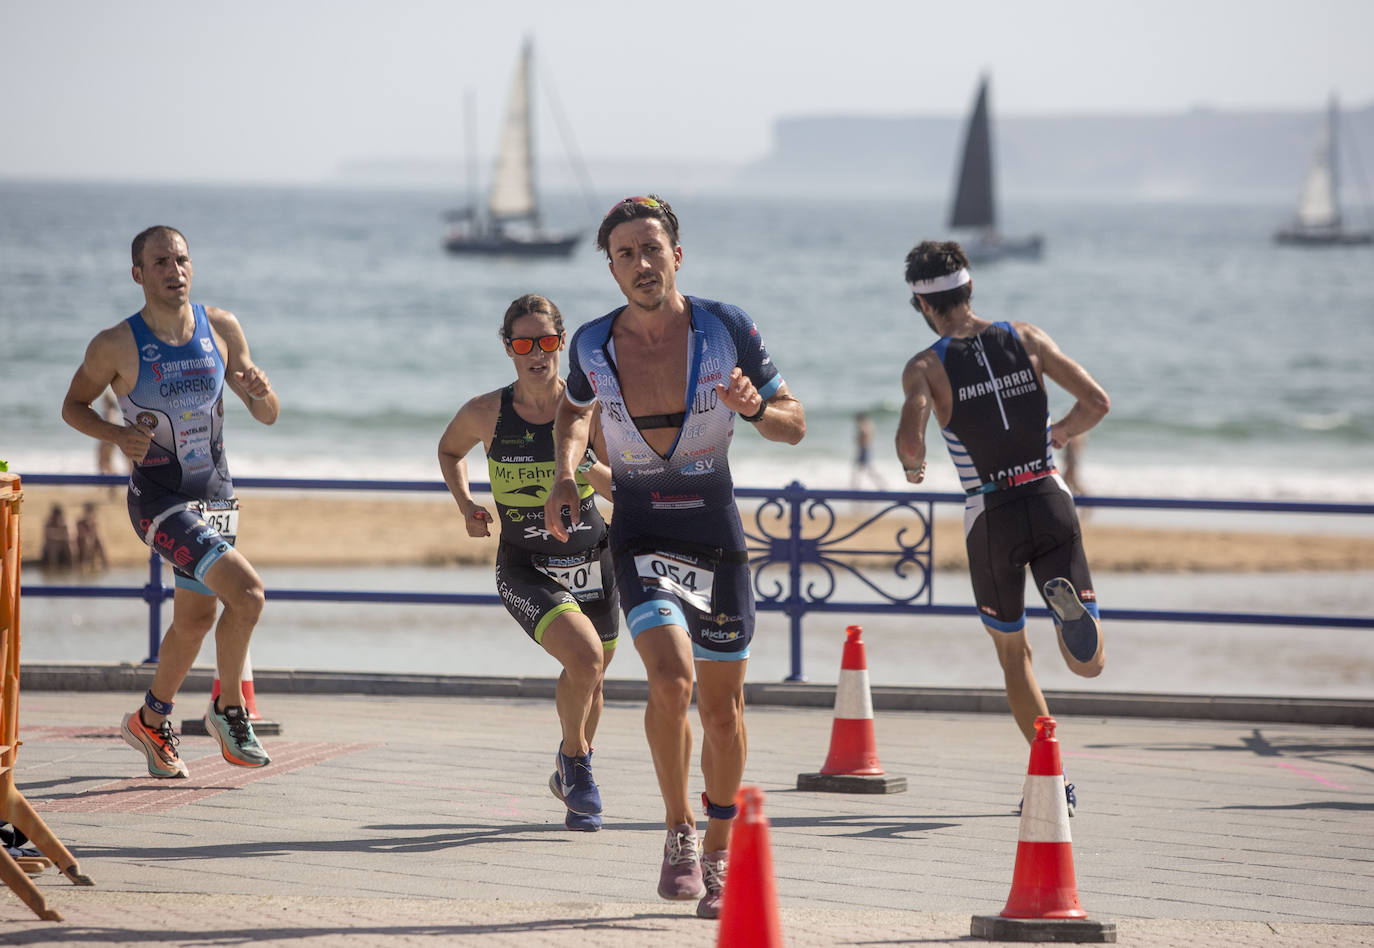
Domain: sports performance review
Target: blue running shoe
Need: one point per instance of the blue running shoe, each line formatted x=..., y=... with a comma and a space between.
x=1077, y=628
x=572, y=783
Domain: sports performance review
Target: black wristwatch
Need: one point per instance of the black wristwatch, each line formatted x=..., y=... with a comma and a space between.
x=758, y=415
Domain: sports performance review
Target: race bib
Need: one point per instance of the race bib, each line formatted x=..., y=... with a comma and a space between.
x=687, y=577
x=583, y=580
x=223, y=515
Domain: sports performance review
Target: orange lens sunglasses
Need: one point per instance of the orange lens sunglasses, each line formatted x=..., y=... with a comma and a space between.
x=524, y=345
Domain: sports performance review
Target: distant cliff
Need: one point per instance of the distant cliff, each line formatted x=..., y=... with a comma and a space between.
x=1200, y=154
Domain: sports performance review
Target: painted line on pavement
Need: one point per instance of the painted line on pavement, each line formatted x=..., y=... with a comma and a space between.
x=1307, y=773
x=210, y=776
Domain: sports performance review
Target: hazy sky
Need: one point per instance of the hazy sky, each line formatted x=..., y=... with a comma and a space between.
x=289, y=89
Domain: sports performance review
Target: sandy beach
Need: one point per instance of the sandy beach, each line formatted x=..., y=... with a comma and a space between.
x=279, y=529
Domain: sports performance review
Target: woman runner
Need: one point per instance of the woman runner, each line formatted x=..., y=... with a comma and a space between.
x=562, y=593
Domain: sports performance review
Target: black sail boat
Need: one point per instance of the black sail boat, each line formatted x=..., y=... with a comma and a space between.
x=1318, y=222
x=511, y=224
x=975, y=202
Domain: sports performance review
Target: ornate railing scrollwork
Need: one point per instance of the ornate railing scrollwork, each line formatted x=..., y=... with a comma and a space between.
x=801, y=548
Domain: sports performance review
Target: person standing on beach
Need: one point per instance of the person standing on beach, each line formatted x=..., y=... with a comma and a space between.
x=560, y=590
x=863, y=453
x=670, y=373
x=90, y=549
x=985, y=384
x=169, y=365
x=57, y=540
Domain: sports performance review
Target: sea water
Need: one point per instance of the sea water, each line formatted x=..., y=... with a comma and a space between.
x=1236, y=367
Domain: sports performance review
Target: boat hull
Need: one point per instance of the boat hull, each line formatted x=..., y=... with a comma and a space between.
x=989, y=250
x=512, y=247
x=1324, y=238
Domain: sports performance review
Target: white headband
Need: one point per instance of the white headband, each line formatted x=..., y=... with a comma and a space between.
x=940, y=283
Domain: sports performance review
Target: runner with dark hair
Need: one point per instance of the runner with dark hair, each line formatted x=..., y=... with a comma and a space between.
x=984, y=382
x=670, y=374
x=561, y=592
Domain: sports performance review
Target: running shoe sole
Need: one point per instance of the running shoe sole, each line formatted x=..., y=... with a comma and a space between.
x=582, y=822
x=1077, y=627
x=178, y=771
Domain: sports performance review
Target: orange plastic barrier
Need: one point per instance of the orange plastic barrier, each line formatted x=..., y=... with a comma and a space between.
x=14, y=809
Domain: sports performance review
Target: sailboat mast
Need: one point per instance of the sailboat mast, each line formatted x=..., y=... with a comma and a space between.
x=470, y=134
x=527, y=64
x=1333, y=159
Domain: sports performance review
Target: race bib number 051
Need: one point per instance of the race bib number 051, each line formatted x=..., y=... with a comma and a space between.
x=582, y=580
x=685, y=577
x=223, y=515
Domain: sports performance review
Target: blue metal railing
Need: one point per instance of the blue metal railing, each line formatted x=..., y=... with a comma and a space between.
x=799, y=551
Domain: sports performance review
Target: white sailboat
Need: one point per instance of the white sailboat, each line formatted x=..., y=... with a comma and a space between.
x=1318, y=221
x=511, y=224
x=975, y=203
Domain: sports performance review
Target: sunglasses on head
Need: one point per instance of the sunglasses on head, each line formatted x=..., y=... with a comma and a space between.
x=645, y=201
x=524, y=345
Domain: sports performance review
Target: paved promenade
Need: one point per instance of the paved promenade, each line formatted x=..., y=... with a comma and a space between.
x=387, y=821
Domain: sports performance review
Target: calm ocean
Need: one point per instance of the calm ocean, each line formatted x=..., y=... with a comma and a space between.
x=1236, y=367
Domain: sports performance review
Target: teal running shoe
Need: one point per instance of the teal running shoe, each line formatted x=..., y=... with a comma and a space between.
x=232, y=730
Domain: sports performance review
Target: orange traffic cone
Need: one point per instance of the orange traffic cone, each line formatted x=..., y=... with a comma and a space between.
x=749, y=906
x=1044, y=892
x=852, y=765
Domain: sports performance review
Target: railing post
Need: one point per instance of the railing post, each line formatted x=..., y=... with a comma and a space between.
x=793, y=493
x=930, y=565
x=153, y=594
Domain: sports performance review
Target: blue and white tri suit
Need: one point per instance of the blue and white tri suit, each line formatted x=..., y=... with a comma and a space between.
x=178, y=400
x=676, y=536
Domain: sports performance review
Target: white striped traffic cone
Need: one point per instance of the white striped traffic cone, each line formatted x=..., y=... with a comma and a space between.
x=852, y=765
x=1044, y=893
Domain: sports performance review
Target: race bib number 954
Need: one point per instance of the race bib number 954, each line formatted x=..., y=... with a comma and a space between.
x=685, y=577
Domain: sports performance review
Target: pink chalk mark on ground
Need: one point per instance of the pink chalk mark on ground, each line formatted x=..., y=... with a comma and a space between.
x=210, y=775
x=1304, y=773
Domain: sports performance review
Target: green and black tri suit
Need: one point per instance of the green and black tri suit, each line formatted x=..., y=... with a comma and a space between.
x=537, y=577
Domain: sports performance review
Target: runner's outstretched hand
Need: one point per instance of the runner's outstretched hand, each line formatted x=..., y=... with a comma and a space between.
x=739, y=394
x=562, y=496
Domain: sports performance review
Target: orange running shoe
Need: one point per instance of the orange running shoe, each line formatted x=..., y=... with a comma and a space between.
x=158, y=744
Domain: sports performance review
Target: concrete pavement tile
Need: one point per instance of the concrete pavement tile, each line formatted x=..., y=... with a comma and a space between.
x=1193, y=823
